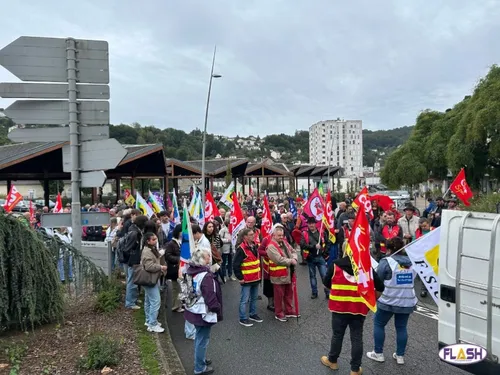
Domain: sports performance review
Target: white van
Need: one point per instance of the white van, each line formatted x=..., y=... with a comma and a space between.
x=469, y=276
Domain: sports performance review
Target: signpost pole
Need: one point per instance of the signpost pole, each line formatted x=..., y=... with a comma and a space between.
x=76, y=220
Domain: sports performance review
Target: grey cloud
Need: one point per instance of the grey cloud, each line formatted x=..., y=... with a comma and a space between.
x=285, y=64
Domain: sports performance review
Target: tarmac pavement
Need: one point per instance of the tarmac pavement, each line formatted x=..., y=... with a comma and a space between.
x=295, y=347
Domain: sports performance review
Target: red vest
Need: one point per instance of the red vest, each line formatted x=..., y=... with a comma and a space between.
x=274, y=269
x=257, y=236
x=388, y=235
x=347, y=233
x=250, y=267
x=344, y=296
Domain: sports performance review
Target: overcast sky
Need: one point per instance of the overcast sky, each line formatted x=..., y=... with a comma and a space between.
x=285, y=64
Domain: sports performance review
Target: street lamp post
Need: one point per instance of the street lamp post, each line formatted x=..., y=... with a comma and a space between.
x=204, y=145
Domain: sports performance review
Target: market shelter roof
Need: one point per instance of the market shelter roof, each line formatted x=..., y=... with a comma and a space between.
x=40, y=160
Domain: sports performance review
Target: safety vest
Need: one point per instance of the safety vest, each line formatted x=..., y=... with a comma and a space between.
x=399, y=290
x=393, y=233
x=250, y=267
x=347, y=233
x=306, y=239
x=256, y=239
x=344, y=296
x=276, y=270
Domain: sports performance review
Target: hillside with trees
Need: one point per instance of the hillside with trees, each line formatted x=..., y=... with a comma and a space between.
x=467, y=135
x=188, y=146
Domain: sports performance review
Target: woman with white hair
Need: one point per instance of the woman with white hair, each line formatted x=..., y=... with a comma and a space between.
x=206, y=309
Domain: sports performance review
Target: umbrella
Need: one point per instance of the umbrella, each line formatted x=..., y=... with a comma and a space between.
x=295, y=295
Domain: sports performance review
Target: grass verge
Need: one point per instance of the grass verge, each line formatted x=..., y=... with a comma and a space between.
x=147, y=345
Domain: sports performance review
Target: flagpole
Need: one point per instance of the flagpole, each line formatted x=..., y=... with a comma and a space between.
x=204, y=145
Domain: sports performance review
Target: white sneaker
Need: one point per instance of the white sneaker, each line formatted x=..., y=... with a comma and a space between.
x=233, y=278
x=156, y=329
x=135, y=307
x=400, y=360
x=379, y=357
x=147, y=325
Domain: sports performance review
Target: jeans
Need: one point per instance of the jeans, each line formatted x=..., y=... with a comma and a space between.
x=227, y=265
x=200, y=348
x=380, y=320
x=132, y=292
x=60, y=268
x=152, y=301
x=320, y=263
x=339, y=326
x=113, y=259
x=189, y=330
x=248, y=292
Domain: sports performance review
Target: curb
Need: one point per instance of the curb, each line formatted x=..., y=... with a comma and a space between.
x=170, y=359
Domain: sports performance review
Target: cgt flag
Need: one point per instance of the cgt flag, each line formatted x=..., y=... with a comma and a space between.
x=363, y=200
x=461, y=188
x=329, y=218
x=13, y=198
x=237, y=222
x=266, y=226
x=358, y=249
x=211, y=209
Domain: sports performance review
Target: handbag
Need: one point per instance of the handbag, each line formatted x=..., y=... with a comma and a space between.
x=143, y=277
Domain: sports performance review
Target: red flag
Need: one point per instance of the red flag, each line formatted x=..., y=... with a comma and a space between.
x=329, y=217
x=237, y=222
x=363, y=200
x=211, y=209
x=315, y=206
x=267, y=220
x=58, y=207
x=32, y=213
x=13, y=198
x=461, y=188
x=384, y=201
x=358, y=249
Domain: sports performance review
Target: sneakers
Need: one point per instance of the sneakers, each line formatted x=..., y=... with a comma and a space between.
x=281, y=319
x=256, y=318
x=135, y=307
x=378, y=357
x=156, y=329
x=246, y=323
x=314, y=295
x=179, y=310
x=147, y=325
x=325, y=361
x=233, y=278
x=292, y=316
x=400, y=360
x=208, y=370
x=357, y=372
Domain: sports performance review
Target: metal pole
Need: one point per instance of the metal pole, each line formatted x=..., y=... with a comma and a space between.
x=76, y=221
x=205, y=133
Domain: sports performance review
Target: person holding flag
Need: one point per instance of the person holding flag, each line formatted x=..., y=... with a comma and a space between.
x=313, y=245
x=353, y=288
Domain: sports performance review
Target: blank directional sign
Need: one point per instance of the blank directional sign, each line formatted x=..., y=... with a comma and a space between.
x=52, y=91
x=93, y=179
x=60, y=220
x=96, y=155
x=44, y=60
x=58, y=134
x=55, y=112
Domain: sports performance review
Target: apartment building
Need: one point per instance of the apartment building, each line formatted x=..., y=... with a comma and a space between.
x=338, y=142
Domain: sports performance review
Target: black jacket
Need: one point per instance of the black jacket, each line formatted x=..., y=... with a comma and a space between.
x=125, y=228
x=314, y=239
x=133, y=245
x=173, y=258
x=239, y=257
x=345, y=264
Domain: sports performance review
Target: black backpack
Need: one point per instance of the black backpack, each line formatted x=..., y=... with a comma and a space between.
x=121, y=249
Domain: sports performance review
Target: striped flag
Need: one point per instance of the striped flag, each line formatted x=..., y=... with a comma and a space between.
x=187, y=245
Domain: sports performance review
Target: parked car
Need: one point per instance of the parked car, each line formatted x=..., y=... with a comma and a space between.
x=404, y=194
x=41, y=203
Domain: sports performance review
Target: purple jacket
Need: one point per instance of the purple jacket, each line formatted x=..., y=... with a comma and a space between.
x=213, y=300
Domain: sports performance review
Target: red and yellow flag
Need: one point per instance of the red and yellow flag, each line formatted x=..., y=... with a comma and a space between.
x=363, y=200
x=358, y=249
x=329, y=218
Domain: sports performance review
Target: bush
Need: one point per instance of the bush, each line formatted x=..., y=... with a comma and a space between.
x=108, y=299
x=483, y=203
x=101, y=351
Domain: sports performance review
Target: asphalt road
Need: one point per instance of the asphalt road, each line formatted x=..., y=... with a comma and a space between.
x=293, y=347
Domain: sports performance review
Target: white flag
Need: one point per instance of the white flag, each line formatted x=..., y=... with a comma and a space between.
x=227, y=197
x=424, y=254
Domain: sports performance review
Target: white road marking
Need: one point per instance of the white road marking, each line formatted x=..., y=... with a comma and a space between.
x=424, y=311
